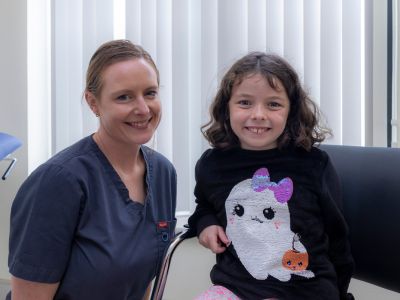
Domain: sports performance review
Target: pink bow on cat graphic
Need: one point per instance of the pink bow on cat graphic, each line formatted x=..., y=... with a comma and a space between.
x=283, y=190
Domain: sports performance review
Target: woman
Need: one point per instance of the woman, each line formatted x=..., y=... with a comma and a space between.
x=93, y=222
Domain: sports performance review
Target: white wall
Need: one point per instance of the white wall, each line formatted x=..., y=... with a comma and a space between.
x=13, y=107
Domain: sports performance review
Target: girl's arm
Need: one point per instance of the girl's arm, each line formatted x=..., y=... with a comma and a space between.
x=214, y=238
x=25, y=290
x=204, y=214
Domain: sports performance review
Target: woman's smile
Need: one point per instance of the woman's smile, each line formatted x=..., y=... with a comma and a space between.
x=139, y=124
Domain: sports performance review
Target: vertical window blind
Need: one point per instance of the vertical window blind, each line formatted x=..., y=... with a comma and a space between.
x=194, y=42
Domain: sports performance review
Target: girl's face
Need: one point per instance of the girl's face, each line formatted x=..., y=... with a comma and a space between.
x=258, y=112
x=129, y=107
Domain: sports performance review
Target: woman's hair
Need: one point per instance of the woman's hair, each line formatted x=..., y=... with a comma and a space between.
x=108, y=54
x=302, y=126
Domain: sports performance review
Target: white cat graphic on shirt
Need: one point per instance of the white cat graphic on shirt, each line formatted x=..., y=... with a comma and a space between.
x=258, y=224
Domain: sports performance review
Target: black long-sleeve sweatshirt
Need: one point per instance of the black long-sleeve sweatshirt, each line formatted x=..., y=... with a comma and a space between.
x=281, y=209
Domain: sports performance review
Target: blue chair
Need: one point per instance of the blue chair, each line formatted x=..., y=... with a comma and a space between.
x=8, y=144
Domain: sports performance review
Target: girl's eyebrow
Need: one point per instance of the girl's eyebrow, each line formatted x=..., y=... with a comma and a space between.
x=244, y=95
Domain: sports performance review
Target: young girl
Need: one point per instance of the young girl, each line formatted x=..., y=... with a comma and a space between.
x=268, y=201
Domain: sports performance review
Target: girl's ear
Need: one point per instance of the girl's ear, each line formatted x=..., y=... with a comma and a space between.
x=92, y=102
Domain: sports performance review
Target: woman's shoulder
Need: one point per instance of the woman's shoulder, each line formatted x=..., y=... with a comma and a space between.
x=84, y=147
x=71, y=160
x=58, y=175
x=157, y=159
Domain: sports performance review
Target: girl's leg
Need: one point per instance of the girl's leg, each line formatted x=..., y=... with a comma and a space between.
x=217, y=292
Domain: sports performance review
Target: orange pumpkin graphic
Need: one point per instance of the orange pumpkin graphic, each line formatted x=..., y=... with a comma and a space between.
x=295, y=260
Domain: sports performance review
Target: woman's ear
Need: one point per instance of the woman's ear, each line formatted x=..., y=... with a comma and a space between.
x=92, y=102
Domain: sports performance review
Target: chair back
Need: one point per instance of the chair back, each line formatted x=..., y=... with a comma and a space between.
x=370, y=178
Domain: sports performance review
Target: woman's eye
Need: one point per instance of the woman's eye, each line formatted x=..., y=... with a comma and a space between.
x=152, y=94
x=123, y=97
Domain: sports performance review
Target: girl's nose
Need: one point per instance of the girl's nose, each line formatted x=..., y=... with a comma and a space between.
x=141, y=107
x=258, y=113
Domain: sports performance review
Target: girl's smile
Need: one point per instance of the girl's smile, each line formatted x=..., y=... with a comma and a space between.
x=257, y=130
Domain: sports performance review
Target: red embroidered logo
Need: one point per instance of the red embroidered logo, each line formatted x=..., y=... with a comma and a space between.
x=162, y=224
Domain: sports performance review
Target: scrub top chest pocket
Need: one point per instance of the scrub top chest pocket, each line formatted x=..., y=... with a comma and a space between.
x=165, y=232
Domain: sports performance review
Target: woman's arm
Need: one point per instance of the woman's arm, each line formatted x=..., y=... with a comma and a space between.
x=43, y=220
x=25, y=290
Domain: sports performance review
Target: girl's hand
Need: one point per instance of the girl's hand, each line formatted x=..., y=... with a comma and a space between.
x=214, y=238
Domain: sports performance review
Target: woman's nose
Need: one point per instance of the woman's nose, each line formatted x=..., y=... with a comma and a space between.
x=141, y=106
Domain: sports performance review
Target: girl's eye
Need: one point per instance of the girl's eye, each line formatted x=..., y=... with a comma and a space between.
x=274, y=105
x=244, y=102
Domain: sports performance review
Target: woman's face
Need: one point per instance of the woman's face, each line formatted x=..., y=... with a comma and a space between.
x=129, y=107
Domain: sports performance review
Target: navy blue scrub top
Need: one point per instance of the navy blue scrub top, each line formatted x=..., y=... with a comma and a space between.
x=73, y=222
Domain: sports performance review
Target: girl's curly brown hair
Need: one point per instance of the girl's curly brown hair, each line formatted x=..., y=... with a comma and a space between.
x=302, y=126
